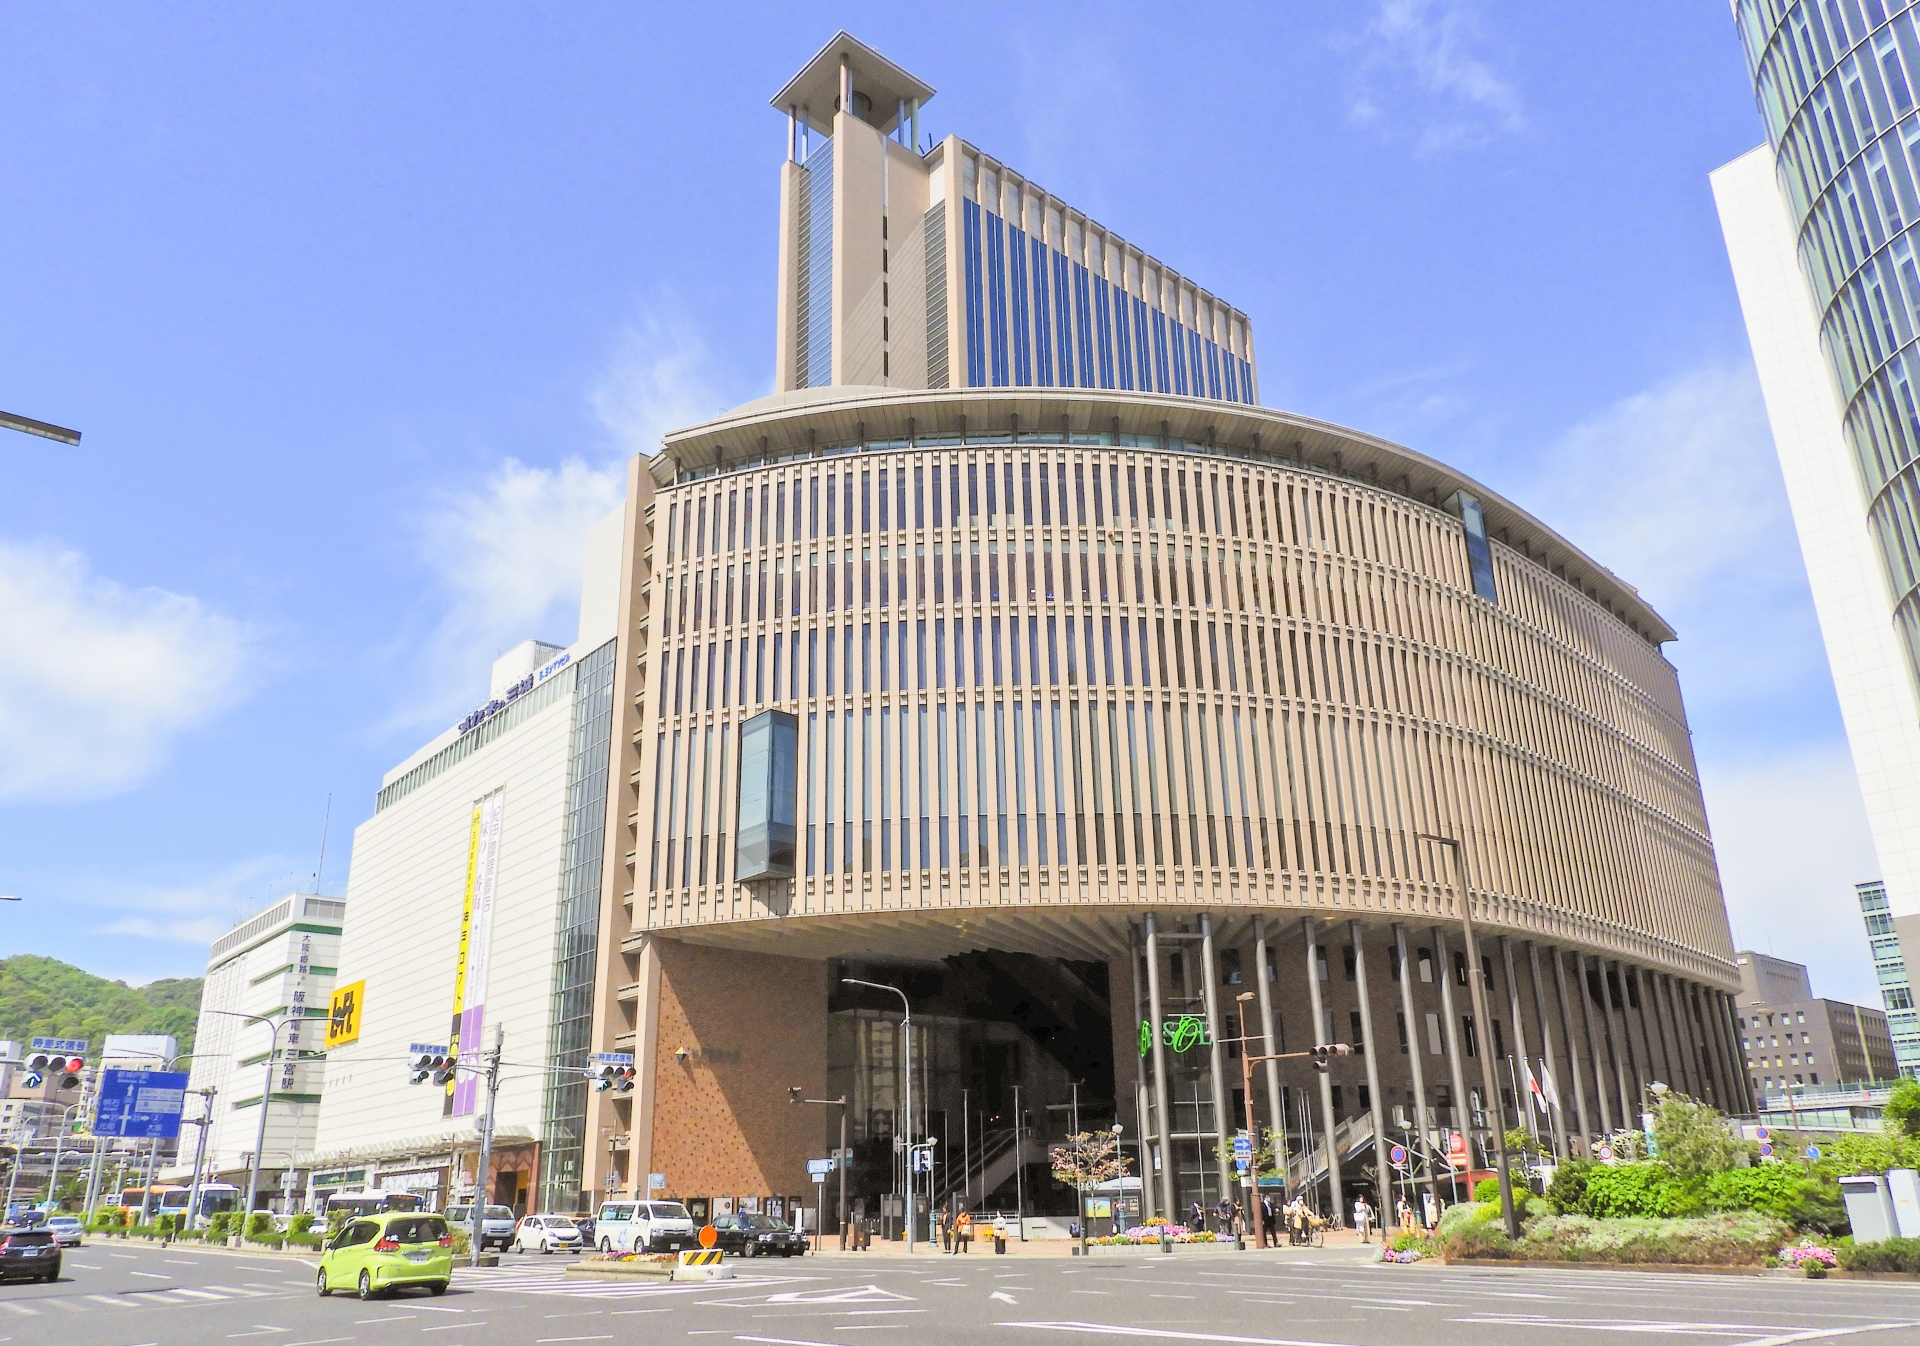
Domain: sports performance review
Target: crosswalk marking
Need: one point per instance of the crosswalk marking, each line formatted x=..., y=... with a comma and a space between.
x=244, y=1294
x=19, y=1308
x=112, y=1302
x=196, y=1294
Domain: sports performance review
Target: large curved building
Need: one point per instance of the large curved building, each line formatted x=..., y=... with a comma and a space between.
x=993, y=660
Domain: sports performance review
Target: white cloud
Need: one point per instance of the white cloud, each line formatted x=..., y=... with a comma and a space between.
x=1792, y=839
x=1429, y=45
x=97, y=679
x=508, y=554
x=1678, y=489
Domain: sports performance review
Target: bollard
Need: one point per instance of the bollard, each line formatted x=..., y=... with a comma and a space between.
x=1166, y=1242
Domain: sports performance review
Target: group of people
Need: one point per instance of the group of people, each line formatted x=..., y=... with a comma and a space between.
x=956, y=1230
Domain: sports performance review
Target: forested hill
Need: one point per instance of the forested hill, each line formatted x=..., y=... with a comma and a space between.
x=44, y=997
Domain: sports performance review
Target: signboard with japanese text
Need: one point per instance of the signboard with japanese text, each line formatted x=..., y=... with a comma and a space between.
x=343, y=1013
x=141, y=1104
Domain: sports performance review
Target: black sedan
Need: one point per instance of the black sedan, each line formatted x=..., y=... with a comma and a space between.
x=757, y=1236
x=29, y=1254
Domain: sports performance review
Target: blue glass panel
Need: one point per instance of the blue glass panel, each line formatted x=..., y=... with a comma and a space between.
x=974, y=283
x=1479, y=548
x=1062, y=319
x=1103, y=328
x=1042, y=319
x=1213, y=371
x=1196, y=366
x=1142, y=345
x=1022, y=312
x=1123, y=334
x=1246, y=383
x=1179, y=354
x=997, y=299
x=769, y=795
x=1162, y=380
x=1230, y=379
x=1083, y=323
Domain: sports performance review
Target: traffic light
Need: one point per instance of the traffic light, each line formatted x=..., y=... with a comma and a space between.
x=603, y=1077
x=63, y=1070
x=429, y=1063
x=610, y=1076
x=1323, y=1056
x=623, y=1079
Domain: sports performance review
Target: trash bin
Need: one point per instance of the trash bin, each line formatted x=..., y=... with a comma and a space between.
x=1869, y=1208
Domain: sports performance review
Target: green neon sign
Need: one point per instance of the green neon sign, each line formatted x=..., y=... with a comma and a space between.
x=1180, y=1034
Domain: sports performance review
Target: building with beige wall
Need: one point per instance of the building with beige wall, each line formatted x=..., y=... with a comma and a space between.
x=1097, y=700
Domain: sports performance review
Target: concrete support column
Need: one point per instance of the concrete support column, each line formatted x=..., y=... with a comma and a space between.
x=1450, y=1024
x=1382, y=1184
x=1556, y=1116
x=1722, y=1027
x=1522, y=1099
x=1639, y=997
x=1576, y=1073
x=1416, y=1048
x=1163, y=1128
x=1217, y=1056
x=1696, y=1034
x=1633, y=1085
x=1742, y=1081
x=1584, y=989
x=1328, y=1121
x=1689, y=1079
x=1275, y=1113
x=1141, y=1109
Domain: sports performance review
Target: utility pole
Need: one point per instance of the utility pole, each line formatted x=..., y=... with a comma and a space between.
x=480, y=1194
x=1019, y=1168
x=1476, y=983
x=204, y=1121
x=906, y=1037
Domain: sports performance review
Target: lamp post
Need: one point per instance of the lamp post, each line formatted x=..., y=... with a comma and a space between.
x=266, y=1096
x=1476, y=986
x=906, y=1035
x=204, y=1121
x=839, y=1162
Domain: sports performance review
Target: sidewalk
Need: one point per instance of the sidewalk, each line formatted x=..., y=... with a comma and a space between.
x=1344, y=1240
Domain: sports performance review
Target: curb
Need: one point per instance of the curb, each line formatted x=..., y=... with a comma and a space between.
x=1681, y=1268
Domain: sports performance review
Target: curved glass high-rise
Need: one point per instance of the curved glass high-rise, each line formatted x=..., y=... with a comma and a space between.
x=1837, y=83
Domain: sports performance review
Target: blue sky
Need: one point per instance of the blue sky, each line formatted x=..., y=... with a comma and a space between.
x=361, y=307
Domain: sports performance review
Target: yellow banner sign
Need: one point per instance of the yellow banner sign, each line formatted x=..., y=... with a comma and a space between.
x=343, y=1013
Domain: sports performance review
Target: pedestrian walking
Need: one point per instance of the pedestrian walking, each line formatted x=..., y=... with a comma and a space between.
x=1196, y=1217
x=1363, y=1218
x=1406, y=1216
x=1224, y=1214
x=962, y=1232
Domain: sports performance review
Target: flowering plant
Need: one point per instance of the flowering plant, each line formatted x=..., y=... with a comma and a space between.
x=1808, y=1251
x=1404, y=1256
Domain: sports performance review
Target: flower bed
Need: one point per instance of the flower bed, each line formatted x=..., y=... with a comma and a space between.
x=1151, y=1233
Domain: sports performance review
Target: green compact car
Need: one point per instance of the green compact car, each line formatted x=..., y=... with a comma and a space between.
x=376, y=1254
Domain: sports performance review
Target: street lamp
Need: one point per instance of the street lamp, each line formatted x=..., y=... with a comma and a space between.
x=906, y=1034
x=1476, y=986
x=266, y=1096
x=794, y=1093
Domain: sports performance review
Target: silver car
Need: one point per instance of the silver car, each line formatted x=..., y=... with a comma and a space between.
x=546, y=1233
x=66, y=1230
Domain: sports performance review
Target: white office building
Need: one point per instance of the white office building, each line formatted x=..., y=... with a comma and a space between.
x=475, y=888
x=261, y=1034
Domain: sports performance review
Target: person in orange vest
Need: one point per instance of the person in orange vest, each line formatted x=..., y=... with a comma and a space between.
x=962, y=1232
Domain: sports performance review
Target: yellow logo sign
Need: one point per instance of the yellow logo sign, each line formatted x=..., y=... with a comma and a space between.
x=343, y=1014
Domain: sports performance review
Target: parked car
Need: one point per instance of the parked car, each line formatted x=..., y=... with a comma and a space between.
x=645, y=1227
x=28, y=1254
x=584, y=1223
x=757, y=1236
x=496, y=1226
x=66, y=1229
x=381, y=1253
x=547, y=1232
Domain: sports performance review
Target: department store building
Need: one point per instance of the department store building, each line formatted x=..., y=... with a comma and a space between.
x=1011, y=654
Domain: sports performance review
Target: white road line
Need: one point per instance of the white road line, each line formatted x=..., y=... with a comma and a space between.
x=395, y=1318
x=150, y=1275
x=125, y=1257
x=546, y=1341
x=1109, y=1329
x=259, y=1330
x=87, y=1266
x=786, y=1341
x=195, y=1294
x=111, y=1301
x=452, y=1327
x=19, y=1308
x=323, y=1341
x=1814, y=1333
x=244, y=1294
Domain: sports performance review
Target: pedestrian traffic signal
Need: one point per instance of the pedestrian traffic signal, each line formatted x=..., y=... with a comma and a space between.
x=1323, y=1056
x=429, y=1063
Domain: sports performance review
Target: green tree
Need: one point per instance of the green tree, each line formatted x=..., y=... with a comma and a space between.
x=1902, y=1113
x=44, y=997
x=1693, y=1138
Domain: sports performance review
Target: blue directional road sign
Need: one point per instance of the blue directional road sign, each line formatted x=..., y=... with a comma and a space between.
x=141, y=1104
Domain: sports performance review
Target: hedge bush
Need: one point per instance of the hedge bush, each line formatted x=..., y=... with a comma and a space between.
x=1743, y=1239
x=1892, y=1255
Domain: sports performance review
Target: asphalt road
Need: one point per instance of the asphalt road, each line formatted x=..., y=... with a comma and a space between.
x=115, y=1294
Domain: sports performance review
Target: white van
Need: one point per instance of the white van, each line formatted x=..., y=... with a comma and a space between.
x=644, y=1227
